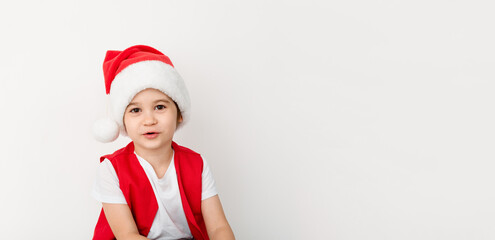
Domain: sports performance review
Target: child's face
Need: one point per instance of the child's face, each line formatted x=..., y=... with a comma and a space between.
x=151, y=119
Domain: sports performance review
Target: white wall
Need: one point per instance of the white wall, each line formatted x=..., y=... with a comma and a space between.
x=320, y=119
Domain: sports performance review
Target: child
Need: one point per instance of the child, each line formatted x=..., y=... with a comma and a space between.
x=153, y=188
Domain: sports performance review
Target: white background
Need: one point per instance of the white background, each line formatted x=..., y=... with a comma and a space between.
x=320, y=119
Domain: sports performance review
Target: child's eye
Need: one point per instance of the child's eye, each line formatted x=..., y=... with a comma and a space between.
x=160, y=107
x=135, y=110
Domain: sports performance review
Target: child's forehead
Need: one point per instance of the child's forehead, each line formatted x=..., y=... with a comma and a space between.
x=150, y=94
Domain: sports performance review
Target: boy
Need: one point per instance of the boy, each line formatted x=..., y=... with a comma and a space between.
x=153, y=188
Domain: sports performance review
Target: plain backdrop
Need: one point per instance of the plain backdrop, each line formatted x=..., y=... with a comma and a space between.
x=342, y=120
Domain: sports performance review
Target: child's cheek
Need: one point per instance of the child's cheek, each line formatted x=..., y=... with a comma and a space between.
x=125, y=122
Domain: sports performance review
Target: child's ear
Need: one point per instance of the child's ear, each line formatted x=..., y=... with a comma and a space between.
x=180, y=119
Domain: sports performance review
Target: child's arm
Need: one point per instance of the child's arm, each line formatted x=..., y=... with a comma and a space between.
x=120, y=219
x=216, y=223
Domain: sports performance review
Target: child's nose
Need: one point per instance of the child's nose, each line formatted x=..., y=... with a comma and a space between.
x=149, y=118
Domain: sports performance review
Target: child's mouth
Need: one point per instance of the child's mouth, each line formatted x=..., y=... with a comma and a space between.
x=151, y=135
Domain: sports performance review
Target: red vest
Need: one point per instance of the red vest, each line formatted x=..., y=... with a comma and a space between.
x=141, y=199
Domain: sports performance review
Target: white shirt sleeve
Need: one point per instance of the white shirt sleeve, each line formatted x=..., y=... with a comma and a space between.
x=106, y=187
x=208, y=183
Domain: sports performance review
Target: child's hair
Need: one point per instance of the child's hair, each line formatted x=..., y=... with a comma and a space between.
x=130, y=71
x=179, y=115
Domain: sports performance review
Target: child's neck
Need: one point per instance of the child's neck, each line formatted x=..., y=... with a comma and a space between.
x=156, y=157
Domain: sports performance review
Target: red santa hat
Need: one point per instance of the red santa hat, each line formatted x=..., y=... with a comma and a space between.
x=127, y=73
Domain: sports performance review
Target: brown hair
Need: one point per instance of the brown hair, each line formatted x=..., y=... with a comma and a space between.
x=179, y=115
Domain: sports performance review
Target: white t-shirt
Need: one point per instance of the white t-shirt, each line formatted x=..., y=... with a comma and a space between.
x=170, y=221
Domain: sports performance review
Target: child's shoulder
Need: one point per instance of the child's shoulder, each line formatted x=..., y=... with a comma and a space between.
x=127, y=149
x=130, y=149
x=178, y=147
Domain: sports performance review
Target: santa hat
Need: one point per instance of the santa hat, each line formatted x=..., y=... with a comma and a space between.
x=129, y=72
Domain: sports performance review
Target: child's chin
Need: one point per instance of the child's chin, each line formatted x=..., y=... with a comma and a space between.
x=152, y=144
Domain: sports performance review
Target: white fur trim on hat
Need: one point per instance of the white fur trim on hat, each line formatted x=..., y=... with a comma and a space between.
x=147, y=74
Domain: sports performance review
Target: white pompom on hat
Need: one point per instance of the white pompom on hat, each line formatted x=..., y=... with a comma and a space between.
x=129, y=72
